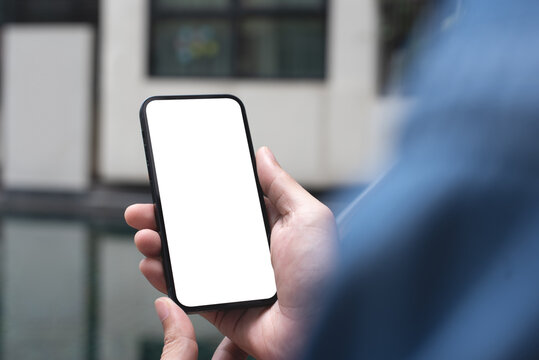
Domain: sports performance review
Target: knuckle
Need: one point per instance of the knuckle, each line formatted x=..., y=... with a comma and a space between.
x=326, y=213
x=176, y=345
x=170, y=340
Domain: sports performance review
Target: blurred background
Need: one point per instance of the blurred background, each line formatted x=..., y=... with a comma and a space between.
x=314, y=76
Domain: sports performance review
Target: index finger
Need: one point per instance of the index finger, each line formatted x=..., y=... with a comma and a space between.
x=141, y=216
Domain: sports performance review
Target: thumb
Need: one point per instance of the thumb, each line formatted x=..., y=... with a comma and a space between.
x=284, y=193
x=180, y=340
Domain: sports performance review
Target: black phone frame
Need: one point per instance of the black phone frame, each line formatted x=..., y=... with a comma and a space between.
x=165, y=256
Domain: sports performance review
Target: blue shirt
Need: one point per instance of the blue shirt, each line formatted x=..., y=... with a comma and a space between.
x=440, y=259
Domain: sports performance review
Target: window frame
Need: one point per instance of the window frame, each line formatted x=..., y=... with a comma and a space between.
x=235, y=13
x=77, y=11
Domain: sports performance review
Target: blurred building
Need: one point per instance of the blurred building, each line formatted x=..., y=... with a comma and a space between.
x=76, y=71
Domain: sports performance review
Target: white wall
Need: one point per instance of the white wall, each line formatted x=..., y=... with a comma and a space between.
x=319, y=130
x=352, y=91
x=46, y=93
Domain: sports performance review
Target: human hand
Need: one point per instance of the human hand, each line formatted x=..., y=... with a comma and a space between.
x=303, y=239
x=179, y=335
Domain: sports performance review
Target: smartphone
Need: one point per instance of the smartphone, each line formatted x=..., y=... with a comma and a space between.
x=209, y=205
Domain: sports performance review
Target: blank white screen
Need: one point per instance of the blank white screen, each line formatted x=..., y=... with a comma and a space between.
x=213, y=220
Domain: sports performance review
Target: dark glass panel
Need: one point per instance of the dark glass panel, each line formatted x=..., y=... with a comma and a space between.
x=50, y=10
x=191, y=48
x=283, y=3
x=283, y=48
x=193, y=4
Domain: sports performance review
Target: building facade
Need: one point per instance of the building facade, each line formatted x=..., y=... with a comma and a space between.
x=319, y=118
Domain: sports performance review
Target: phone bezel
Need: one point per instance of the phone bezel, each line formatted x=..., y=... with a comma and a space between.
x=158, y=210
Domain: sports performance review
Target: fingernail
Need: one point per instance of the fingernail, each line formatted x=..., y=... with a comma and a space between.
x=162, y=309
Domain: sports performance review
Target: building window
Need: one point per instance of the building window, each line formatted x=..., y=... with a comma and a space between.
x=398, y=18
x=238, y=38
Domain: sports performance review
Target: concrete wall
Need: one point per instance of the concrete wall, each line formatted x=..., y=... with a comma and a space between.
x=320, y=130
